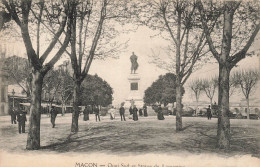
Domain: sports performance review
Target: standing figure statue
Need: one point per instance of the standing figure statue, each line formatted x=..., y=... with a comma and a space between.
x=134, y=66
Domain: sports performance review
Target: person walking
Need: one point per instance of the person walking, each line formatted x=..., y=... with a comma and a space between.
x=112, y=111
x=140, y=112
x=131, y=111
x=122, y=111
x=86, y=112
x=160, y=113
x=135, y=116
x=21, y=119
x=96, y=111
x=145, y=110
x=209, y=115
x=53, y=113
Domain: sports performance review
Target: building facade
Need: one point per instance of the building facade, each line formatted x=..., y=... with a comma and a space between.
x=3, y=92
x=4, y=106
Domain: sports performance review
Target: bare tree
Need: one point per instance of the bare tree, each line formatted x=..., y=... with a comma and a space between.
x=196, y=86
x=92, y=37
x=19, y=72
x=247, y=80
x=233, y=35
x=65, y=90
x=28, y=16
x=51, y=83
x=178, y=23
x=209, y=86
x=93, y=32
x=233, y=85
x=58, y=86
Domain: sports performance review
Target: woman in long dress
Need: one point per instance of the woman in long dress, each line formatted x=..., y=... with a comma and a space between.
x=86, y=112
x=145, y=110
x=160, y=113
x=112, y=111
x=135, y=116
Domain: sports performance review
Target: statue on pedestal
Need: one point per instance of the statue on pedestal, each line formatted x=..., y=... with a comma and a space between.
x=134, y=66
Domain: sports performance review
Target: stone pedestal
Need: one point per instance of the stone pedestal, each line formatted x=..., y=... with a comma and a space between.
x=134, y=91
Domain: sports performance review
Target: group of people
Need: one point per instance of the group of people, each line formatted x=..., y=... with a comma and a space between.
x=112, y=111
x=133, y=112
x=20, y=116
x=87, y=110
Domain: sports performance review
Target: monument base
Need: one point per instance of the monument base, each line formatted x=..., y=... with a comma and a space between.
x=138, y=102
x=134, y=94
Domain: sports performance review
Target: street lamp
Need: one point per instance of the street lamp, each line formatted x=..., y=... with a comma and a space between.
x=13, y=92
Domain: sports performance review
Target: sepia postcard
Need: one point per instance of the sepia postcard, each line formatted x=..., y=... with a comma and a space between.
x=133, y=83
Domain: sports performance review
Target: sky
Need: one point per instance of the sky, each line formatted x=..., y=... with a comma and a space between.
x=116, y=71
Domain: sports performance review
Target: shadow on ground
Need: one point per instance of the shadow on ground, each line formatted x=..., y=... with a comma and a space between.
x=148, y=135
x=155, y=137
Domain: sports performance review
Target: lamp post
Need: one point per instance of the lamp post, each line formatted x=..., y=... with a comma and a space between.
x=13, y=92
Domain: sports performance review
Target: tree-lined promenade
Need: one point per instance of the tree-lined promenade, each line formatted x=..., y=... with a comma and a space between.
x=85, y=31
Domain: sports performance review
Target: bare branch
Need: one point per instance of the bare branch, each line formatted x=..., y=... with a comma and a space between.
x=207, y=31
x=163, y=10
x=242, y=53
x=11, y=9
x=55, y=39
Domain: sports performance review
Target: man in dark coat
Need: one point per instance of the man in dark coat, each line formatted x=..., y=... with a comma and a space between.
x=53, y=113
x=160, y=113
x=140, y=112
x=145, y=110
x=209, y=115
x=135, y=116
x=131, y=110
x=96, y=111
x=122, y=111
x=21, y=118
x=86, y=112
x=13, y=116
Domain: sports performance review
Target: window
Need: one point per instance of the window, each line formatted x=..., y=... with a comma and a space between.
x=134, y=86
x=3, y=94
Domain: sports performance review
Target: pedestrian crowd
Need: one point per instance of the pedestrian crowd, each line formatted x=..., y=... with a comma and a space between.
x=112, y=112
x=19, y=115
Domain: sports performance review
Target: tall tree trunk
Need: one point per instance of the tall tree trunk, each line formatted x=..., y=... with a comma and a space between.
x=75, y=113
x=223, y=133
x=178, y=108
x=197, y=105
x=33, y=139
x=211, y=101
x=178, y=77
x=62, y=108
x=247, y=105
